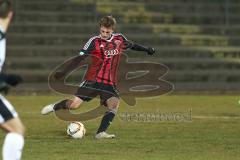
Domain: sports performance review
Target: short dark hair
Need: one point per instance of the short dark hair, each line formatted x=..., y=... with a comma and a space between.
x=5, y=8
x=108, y=22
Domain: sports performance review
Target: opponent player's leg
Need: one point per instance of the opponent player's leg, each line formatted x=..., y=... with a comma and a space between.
x=14, y=140
x=13, y=125
x=112, y=105
x=64, y=104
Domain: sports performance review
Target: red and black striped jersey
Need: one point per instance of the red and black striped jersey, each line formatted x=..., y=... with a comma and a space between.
x=105, y=58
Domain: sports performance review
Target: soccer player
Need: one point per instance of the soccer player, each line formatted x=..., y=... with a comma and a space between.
x=9, y=120
x=102, y=74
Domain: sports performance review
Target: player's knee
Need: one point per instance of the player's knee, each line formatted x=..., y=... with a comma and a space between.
x=15, y=125
x=75, y=103
x=113, y=109
x=20, y=129
x=113, y=104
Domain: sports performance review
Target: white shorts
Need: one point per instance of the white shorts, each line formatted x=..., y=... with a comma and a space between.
x=7, y=111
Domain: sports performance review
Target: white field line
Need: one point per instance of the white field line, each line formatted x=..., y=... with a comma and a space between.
x=216, y=117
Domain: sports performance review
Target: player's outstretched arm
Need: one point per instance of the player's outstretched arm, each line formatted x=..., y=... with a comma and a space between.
x=138, y=47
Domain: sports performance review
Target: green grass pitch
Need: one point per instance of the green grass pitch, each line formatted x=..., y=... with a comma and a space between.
x=211, y=131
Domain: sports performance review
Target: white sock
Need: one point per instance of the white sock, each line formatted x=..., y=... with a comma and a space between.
x=12, y=146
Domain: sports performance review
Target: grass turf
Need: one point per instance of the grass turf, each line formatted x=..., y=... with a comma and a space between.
x=211, y=133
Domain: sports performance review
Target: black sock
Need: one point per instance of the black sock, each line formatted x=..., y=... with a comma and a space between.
x=61, y=105
x=106, y=121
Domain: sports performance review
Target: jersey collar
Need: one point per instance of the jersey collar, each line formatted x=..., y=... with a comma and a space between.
x=109, y=39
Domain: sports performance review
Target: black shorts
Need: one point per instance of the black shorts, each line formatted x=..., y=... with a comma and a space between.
x=7, y=111
x=89, y=90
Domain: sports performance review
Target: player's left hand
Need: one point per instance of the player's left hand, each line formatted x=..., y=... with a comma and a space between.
x=4, y=88
x=150, y=51
x=13, y=79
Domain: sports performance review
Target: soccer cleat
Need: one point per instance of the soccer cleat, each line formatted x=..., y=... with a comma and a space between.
x=47, y=109
x=104, y=135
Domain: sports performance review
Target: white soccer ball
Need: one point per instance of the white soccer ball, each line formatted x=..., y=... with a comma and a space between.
x=76, y=130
